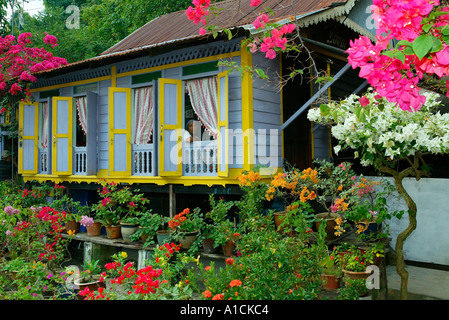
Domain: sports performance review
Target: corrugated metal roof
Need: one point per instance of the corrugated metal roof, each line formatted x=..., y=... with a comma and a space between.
x=236, y=13
x=174, y=28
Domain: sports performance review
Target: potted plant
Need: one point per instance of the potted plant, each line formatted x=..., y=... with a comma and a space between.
x=370, y=209
x=187, y=226
x=90, y=277
x=216, y=224
x=93, y=227
x=149, y=224
x=108, y=210
x=355, y=262
x=73, y=210
x=134, y=209
x=331, y=272
x=164, y=233
x=327, y=184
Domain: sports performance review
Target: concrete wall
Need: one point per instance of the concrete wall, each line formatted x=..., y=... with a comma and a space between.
x=430, y=241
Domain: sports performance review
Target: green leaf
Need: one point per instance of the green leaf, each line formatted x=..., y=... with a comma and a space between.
x=261, y=73
x=400, y=56
x=324, y=109
x=404, y=43
x=445, y=30
x=388, y=54
x=357, y=111
x=427, y=27
x=422, y=45
x=437, y=45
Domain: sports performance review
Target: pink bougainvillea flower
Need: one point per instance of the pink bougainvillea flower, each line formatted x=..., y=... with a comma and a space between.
x=260, y=21
x=255, y=3
x=364, y=101
x=15, y=89
x=202, y=31
x=49, y=39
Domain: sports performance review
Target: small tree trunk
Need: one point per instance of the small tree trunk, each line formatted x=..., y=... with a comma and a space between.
x=400, y=239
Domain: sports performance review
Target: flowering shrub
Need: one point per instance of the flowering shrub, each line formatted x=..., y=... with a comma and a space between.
x=326, y=183
x=186, y=221
x=119, y=204
x=149, y=282
x=380, y=132
x=267, y=266
x=421, y=29
x=18, y=59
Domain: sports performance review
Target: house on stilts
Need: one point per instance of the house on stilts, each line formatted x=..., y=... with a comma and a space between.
x=122, y=116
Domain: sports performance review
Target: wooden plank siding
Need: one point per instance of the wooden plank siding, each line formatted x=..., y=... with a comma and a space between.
x=267, y=113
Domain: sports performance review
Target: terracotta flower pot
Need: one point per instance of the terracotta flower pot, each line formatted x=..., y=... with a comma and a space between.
x=356, y=274
x=228, y=248
x=331, y=281
x=72, y=225
x=113, y=232
x=94, y=230
x=208, y=246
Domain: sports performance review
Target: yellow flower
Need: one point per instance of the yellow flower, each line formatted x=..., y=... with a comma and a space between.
x=124, y=254
x=71, y=232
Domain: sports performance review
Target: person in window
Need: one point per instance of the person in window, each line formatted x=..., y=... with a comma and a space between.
x=193, y=132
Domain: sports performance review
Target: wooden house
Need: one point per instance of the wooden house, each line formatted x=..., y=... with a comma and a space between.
x=122, y=115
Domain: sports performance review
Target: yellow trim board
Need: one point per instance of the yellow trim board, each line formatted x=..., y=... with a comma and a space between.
x=183, y=180
x=164, y=127
x=35, y=137
x=247, y=110
x=113, y=131
x=68, y=135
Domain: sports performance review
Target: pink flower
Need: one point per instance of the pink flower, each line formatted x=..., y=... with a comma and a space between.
x=3, y=110
x=25, y=76
x=49, y=39
x=15, y=88
x=260, y=21
x=364, y=101
x=255, y=3
x=202, y=31
x=105, y=201
x=287, y=28
x=270, y=54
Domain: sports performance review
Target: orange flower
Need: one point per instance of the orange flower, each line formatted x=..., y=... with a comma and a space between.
x=306, y=195
x=243, y=179
x=207, y=294
x=229, y=261
x=207, y=268
x=253, y=176
x=235, y=283
x=219, y=296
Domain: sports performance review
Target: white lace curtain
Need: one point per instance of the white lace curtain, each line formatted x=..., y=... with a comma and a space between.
x=203, y=95
x=44, y=135
x=81, y=109
x=143, y=101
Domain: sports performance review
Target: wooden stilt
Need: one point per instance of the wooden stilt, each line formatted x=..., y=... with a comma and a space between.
x=172, y=201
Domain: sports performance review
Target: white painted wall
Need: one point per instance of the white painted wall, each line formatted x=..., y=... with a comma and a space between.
x=430, y=241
